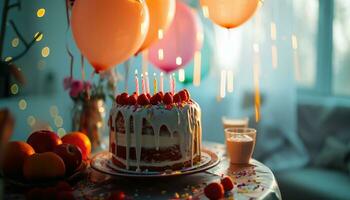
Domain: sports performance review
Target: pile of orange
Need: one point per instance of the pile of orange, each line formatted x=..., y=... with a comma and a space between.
x=43, y=156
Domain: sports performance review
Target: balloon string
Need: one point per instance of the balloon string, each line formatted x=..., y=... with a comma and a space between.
x=71, y=57
x=82, y=67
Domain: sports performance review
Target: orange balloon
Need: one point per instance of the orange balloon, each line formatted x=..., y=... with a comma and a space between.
x=110, y=31
x=161, y=14
x=229, y=13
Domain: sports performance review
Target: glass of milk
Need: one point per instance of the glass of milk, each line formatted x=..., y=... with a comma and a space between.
x=240, y=144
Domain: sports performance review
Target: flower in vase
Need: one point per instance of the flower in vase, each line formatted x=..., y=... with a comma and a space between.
x=76, y=87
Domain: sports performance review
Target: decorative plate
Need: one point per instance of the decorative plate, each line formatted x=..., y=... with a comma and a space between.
x=102, y=163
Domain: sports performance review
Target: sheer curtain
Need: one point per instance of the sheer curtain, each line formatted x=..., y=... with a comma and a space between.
x=266, y=41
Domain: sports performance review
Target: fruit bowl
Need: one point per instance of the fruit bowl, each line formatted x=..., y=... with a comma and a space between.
x=79, y=173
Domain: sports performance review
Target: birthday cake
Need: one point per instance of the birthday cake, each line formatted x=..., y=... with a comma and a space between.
x=155, y=133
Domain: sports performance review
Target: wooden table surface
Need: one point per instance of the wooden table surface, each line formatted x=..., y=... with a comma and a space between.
x=255, y=181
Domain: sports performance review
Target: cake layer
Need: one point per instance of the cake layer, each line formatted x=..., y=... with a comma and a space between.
x=148, y=141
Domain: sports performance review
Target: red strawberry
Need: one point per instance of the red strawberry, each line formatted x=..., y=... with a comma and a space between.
x=214, y=191
x=124, y=98
x=161, y=94
x=143, y=100
x=156, y=99
x=168, y=98
x=132, y=100
x=117, y=99
x=183, y=95
x=227, y=183
x=177, y=98
x=187, y=93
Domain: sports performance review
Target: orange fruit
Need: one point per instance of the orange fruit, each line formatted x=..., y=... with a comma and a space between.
x=80, y=140
x=46, y=165
x=15, y=153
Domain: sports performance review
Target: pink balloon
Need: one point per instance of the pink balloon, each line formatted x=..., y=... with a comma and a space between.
x=181, y=40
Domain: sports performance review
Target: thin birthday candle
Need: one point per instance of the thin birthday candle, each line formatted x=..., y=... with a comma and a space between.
x=155, y=85
x=173, y=83
x=147, y=83
x=143, y=84
x=161, y=82
x=136, y=82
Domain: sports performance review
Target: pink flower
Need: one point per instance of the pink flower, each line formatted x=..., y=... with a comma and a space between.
x=67, y=82
x=76, y=87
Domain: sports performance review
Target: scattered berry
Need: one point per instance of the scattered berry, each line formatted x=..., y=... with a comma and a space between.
x=143, y=100
x=177, y=98
x=148, y=95
x=124, y=98
x=161, y=94
x=132, y=100
x=168, y=98
x=117, y=196
x=227, y=183
x=214, y=191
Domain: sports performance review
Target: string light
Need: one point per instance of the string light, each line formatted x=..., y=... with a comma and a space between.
x=31, y=120
x=61, y=132
x=15, y=42
x=40, y=12
x=45, y=52
x=14, y=89
x=160, y=34
x=197, y=68
x=22, y=104
x=8, y=59
x=178, y=60
x=229, y=81
x=205, y=11
x=181, y=75
x=223, y=84
x=53, y=111
x=274, y=56
x=160, y=54
x=38, y=38
x=58, y=121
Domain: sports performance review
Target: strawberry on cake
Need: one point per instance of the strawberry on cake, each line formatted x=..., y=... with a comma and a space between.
x=155, y=133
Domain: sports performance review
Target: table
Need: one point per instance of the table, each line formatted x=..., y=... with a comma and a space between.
x=255, y=181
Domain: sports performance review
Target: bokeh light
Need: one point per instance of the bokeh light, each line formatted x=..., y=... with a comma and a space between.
x=31, y=120
x=14, y=88
x=15, y=42
x=45, y=52
x=38, y=38
x=40, y=12
x=22, y=104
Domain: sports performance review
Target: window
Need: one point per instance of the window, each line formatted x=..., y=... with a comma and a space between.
x=341, y=48
x=323, y=32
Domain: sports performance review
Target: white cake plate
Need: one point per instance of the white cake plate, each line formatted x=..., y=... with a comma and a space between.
x=102, y=163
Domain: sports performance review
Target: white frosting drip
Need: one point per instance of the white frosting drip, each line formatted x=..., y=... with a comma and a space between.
x=148, y=141
x=183, y=120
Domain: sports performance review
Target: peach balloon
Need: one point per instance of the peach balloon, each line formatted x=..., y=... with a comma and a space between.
x=229, y=13
x=161, y=14
x=108, y=32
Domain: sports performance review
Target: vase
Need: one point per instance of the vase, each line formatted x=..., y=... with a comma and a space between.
x=89, y=118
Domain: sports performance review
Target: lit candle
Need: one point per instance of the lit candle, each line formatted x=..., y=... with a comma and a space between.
x=173, y=83
x=147, y=82
x=161, y=82
x=136, y=82
x=143, y=84
x=155, y=89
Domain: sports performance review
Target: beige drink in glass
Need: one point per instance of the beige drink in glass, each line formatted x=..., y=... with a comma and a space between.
x=235, y=122
x=240, y=144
